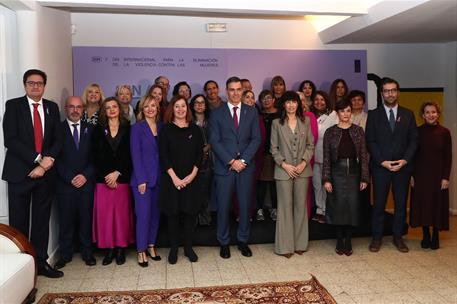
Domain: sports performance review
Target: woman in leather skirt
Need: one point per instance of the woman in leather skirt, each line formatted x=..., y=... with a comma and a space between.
x=345, y=174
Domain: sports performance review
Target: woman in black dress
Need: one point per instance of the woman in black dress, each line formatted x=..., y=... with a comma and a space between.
x=199, y=106
x=430, y=180
x=345, y=174
x=180, y=152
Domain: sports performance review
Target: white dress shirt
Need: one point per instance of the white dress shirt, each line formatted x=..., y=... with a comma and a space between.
x=387, y=109
x=40, y=111
x=238, y=111
x=78, y=127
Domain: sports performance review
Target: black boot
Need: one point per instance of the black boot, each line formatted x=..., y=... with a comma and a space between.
x=435, y=244
x=173, y=255
x=189, y=228
x=425, y=243
x=120, y=256
x=108, y=257
x=348, y=241
x=190, y=253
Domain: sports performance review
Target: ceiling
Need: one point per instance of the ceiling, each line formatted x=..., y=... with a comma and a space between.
x=349, y=21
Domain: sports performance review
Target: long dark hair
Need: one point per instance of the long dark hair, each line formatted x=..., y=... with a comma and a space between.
x=289, y=95
x=311, y=84
x=103, y=119
x=332, y=93
x=328, y=105
x=192, y=104
x=169, y=115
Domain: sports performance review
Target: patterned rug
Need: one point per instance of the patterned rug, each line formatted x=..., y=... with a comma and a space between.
x=310, y=291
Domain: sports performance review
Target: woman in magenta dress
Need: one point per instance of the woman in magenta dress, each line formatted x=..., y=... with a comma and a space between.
x=113, y=217
x=430, y=180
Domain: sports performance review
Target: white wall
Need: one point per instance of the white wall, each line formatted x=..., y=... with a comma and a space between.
x=43, y=41
x=413, y=65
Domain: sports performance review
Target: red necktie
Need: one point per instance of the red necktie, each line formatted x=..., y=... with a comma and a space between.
x=37, y=128
x=235, y=118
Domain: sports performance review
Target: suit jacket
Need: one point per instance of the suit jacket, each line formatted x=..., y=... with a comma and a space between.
x=20, y=141
x=108, y=159
x=285, y=148
x=385, y=144
x=228, y=143
x=72, y=161
x=145, y=155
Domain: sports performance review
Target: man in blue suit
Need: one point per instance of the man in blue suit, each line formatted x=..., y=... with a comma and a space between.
x=75, y=184
x=234, y=138
x=392, y=141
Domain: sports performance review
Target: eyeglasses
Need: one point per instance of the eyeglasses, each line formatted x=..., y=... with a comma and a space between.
x=35, y=84
x=391, y=91
x=71, y=107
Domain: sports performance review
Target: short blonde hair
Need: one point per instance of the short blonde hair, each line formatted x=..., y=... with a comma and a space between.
x=86, y=91
x=144, y=102
x=120, y=87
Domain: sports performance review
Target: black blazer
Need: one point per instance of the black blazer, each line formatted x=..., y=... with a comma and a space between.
x=107, y=159
x=383, y=144
x=19, y=138
x=72, y=161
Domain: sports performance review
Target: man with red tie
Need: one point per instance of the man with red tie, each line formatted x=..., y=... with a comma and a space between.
x=33, y=140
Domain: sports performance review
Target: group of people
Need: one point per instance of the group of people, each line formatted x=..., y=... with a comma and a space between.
x=115, y=168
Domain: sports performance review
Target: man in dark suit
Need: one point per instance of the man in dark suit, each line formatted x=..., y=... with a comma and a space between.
x=31, y=129
x=392, y=141
x=234, y=138
x=75, y=184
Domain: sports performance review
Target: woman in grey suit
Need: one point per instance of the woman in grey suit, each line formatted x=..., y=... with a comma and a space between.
x=292, y=146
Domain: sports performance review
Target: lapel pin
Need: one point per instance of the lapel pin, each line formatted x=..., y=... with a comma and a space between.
x=47, y=111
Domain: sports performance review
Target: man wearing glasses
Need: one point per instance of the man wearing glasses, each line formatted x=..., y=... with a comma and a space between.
x=391, y=135
x=31, y=130
x=75, y=184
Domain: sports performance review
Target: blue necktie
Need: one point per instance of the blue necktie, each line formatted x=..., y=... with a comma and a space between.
x=75, y=135
x=392, y=119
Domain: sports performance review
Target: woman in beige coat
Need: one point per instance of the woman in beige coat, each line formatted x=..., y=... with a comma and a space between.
x=292, y=146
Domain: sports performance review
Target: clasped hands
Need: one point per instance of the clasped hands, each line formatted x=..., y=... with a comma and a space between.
x=182, y=183
x=394, y=165
x=44, y=165
x=111, y=179
x=237, y=165
x=294, y=171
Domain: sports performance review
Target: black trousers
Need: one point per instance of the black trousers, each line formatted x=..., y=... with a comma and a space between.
x=383, y=180
x=32, y=198
x=188, y=227
x=75, y=212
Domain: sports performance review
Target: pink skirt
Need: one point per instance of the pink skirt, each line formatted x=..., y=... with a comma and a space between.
x=113, y=224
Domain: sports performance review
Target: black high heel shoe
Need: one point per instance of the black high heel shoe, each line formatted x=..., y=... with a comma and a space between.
x=142, y=259
x=152, y=253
